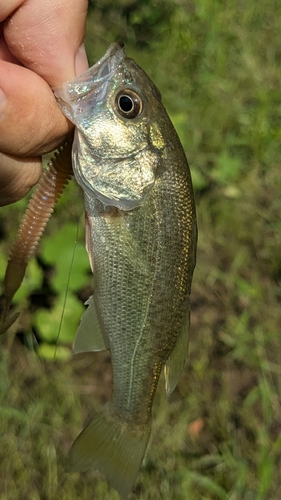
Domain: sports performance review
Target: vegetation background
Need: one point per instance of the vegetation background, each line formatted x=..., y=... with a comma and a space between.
x=218, y=66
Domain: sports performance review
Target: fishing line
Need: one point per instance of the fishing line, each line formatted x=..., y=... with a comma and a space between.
x=67, y=286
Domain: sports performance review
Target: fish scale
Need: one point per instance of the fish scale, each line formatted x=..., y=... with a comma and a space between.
x=141, y=238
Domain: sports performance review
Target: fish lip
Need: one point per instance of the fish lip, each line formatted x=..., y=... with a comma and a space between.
x=93, y=81
x=114, y=54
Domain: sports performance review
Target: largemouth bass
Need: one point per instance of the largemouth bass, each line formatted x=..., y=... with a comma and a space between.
x=141, y=239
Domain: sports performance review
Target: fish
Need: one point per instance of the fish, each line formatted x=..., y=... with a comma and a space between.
x=141, y=236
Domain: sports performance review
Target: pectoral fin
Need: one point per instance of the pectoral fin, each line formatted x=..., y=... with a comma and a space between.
x=175, y=363
x=89, y=335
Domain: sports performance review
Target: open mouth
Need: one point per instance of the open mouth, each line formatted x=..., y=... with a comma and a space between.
x=77, y=96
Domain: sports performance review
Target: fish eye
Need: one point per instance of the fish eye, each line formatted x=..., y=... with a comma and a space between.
x=129, y=103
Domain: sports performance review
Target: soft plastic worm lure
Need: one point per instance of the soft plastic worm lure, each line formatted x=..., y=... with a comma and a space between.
x=41, y=205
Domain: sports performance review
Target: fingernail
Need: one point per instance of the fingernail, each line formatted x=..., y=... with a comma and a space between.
x=3, y=100
x=81, y=61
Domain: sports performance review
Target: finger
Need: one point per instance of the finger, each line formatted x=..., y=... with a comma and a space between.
x=30, y=120
x=45, y=36
x=17, y=176
x=5, y=53
x=7, y=7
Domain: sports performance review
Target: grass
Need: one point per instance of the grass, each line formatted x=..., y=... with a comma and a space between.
x=218, y=65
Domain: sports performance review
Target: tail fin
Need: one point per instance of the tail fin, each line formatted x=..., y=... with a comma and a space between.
x=113, y=448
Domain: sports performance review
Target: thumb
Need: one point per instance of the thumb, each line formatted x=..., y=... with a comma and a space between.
x=31, y=122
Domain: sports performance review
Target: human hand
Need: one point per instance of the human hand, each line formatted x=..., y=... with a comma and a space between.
x=40, y=47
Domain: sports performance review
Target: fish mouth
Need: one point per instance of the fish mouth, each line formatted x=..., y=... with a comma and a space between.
x=76, y=96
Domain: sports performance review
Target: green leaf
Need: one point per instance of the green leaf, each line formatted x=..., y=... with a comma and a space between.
x=32, y=280
x=53, y=353
x=69, y=257
x=59, y=324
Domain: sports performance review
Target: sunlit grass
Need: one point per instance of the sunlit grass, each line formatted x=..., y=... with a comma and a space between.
x=218, y=65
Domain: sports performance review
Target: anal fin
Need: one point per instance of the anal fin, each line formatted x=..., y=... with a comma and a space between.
x=175, y=363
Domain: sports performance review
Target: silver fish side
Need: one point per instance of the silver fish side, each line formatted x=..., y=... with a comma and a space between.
x=141, y=239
